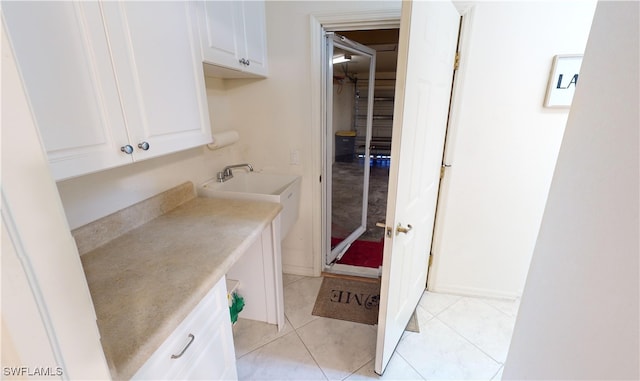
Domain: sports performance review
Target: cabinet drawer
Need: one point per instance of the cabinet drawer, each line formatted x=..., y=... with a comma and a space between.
x=201, y=346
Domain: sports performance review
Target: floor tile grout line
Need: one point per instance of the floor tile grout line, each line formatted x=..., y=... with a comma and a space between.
x=357, y=370
x=496, y=308
x=411, y=365
x=276, y=337
x=499, y=363
x=264, y=344
x=307, y=323
x=497, y=371
x=295, y=330
x=314, y=359
x=469, y=341
x=295, y=281
x=446, y=308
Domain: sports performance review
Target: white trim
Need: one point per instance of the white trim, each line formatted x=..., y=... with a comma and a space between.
x=360, y=20
x=299, y=270
x=378, y=19
x=474, y=291
x=40, y=301
x=449, y=154
x=368, y=272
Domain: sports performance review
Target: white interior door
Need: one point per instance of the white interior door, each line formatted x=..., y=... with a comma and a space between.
x=423, y=90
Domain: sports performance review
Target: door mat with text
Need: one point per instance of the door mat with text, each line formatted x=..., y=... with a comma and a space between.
x=348, y=299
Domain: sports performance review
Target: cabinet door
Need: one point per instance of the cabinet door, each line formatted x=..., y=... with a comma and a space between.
x=255, y=37
x=156, y=55
x=63, y=58
x=221, y=30
x=233, y=37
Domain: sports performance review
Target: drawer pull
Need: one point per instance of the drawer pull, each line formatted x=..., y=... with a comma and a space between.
x=191, y=338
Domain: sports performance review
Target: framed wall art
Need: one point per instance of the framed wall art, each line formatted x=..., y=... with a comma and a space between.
x=563, y=80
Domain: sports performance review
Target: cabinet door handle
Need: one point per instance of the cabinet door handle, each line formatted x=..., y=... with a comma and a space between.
x=248, y=62
x=127, y=149
x=143, y=146
x=191, y=338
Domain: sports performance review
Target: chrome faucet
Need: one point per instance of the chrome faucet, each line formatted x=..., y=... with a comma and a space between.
x=226, y=173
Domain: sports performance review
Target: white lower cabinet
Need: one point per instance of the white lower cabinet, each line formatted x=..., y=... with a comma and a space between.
x=202, y=345
x=200, y=348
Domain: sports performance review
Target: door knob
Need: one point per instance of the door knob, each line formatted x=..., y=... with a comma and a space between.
x=127, y=149
x=402, y=229
x=381, y=224
x=143, y=146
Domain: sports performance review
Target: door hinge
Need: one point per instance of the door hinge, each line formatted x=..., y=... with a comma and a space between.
x=442, y=168
x=456, y=62
x=430, y=259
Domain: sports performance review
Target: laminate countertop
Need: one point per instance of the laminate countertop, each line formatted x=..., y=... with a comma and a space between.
x=147, y=280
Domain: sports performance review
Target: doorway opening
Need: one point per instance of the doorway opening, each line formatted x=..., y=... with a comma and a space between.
x=357, y=147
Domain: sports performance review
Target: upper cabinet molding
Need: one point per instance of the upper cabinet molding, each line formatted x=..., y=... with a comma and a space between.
x=233, y=38
x=110, y=83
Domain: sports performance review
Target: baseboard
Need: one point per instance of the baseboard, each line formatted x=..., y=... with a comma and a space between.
x=474, y=291
x=298, y=270
x=351, y=277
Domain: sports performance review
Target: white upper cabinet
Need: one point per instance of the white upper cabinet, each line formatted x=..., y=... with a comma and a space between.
x=158, y=66
x=63, y=56
x=233, y=37
x=110, y=83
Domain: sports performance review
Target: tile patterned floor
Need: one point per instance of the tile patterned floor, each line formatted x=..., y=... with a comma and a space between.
x=460, y=338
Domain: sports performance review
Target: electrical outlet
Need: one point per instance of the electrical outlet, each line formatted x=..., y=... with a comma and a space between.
x=294, y=157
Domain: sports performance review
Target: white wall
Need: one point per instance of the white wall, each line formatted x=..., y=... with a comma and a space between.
x=503, y=144
x=96, y=195
x=275, y=115
x=502, y=130
x=579, y=317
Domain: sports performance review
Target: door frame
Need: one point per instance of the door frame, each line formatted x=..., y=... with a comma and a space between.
x=448, y=156
x=378, y=19
x=319, y=23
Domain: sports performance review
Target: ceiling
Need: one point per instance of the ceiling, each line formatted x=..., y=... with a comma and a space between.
x=384, y=41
